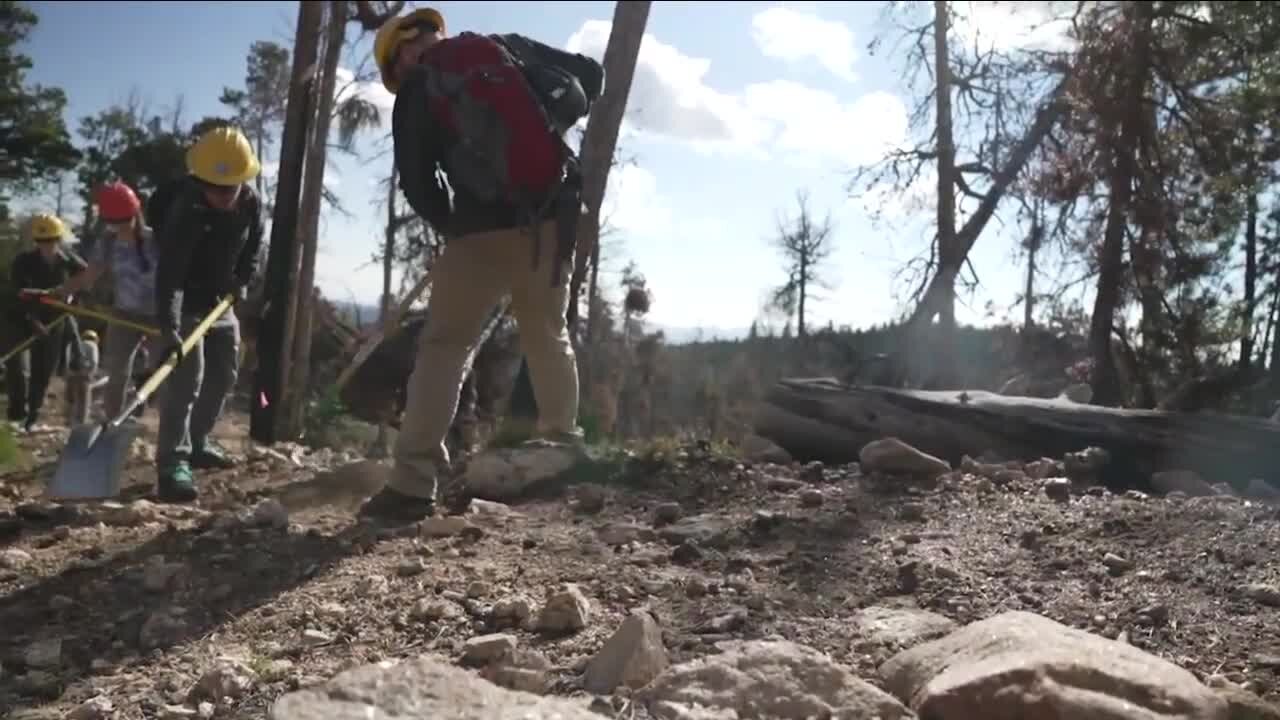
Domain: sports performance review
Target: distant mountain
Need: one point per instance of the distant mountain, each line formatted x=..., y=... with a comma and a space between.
x=356, y=313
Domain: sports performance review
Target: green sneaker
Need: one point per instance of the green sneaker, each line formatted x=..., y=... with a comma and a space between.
x=211, y=457
x=176, y=484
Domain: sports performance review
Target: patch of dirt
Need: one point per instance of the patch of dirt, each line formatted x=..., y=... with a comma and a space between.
x=145, y=599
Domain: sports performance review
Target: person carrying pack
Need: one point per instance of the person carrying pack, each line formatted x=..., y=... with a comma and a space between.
x=208, y=247
x=491, y=112
x=125, y=258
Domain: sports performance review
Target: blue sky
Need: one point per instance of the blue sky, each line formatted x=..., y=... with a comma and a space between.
x=736, y=107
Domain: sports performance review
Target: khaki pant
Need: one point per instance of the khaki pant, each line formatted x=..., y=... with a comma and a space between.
x=469, y=278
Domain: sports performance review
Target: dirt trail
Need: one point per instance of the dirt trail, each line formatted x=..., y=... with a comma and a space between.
x=135, y=602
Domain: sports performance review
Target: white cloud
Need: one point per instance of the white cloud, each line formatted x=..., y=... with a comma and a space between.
x=633, y=203
x=671, y=99
x=372, y=91
x=1040, y=24
x=793, y=36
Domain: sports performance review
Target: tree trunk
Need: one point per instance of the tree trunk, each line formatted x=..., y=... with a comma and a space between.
x=804, y=290
x=389, y=245
x=1124, y=172
x=1250, y=276
x=270, y=378
x=313, y=192
x=946, y=163
x=828, y=421
x=605, y=122
x=1034, y=240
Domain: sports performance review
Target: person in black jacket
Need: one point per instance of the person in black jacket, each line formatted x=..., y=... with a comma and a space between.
x=208, y=245
x=495, y=244
x=43, y=268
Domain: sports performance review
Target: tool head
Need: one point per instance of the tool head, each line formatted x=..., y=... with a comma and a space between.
x=91, y=463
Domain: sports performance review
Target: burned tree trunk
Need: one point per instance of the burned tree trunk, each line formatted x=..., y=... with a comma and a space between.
x=820, y=419
x=270, y=378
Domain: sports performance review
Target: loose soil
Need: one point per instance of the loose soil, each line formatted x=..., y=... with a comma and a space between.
x=775, y=551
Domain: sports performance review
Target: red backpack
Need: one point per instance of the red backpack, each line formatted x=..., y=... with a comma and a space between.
x=503, y=146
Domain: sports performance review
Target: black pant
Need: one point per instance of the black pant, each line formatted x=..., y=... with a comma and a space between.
x=28, y=373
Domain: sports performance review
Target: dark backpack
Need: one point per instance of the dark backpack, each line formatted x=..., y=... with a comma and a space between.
x=160, y=201
x=502, y=145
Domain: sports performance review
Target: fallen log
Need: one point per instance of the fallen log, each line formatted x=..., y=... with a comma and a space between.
x=823, y=419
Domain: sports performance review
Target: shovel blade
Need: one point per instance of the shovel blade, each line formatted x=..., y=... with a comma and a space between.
x=91, y=463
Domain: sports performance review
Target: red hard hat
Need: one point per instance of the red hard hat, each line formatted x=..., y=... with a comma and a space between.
x=117, y=202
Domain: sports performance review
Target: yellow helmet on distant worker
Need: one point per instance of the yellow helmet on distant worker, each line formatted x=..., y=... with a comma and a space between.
x=394, y=32
x=47, y=226
x=90, y=336
x=223, y=156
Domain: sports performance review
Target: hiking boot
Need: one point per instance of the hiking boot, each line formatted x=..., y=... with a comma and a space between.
x=176, y=484
x=390, y=507
x=211, y=457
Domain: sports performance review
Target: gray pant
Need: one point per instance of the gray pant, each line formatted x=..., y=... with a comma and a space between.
x=118, y=355
x=193, y=396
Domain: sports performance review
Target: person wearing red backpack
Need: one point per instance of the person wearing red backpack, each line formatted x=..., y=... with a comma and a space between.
x=491, y=112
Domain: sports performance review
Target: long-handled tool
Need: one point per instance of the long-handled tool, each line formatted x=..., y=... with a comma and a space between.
x=28, y=342
x=95, y=454
x=386, y=329
x=88, y=311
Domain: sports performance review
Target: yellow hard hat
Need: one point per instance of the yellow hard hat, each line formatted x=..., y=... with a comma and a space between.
x=394, y=32
x=223, y=156
x=90, y=335
x=47, y=226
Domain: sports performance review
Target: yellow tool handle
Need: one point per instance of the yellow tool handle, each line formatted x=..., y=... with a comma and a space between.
x=104, y=316
x=168, y=366
x=34, y=337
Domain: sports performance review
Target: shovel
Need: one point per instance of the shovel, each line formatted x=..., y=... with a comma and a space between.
x=87, y=311
x=90, y=466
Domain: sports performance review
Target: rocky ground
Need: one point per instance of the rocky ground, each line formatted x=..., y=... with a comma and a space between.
x=679, y=582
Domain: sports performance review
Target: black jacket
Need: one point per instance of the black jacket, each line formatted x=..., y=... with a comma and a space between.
x=420, y=150
x=205, y=253
x=29, y=270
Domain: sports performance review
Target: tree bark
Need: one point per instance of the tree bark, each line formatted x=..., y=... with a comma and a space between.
x=946, y=162
x=389, y=245
x=605, y=122
x=824, y=420
x=1250, y=275
x=1124, y=172
x=270, y=377
x=312, y=197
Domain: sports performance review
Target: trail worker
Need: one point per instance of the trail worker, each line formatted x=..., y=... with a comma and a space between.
x=125, y=256
x=40, y=270
x=208, y=247
x=494, y=246
x=79, y=386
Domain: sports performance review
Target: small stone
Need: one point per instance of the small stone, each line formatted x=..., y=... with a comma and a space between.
x=516, y=609
x=686, y=553
x=1116, y=565
x=44, y=654
x=478, y=589
x=589, y=499
x=435, y=610
x=1058, y=489
x=633, y=656
x=1009, y=477
x=411, y=567
x=484, y=649
x=158, y=575
x=269, y=513
x=565, y=611
x=695, y=587
x=97, y=708
x=315, y=638
x=812, y=472
x=446, y=526
x=228, y=681
x=13, y=558
x=667, y=513
x=1185, y=481
x=811, y=498
x=912, y=512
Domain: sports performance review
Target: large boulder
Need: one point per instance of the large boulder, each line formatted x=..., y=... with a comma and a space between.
x=1023, y=665
x=420, y=688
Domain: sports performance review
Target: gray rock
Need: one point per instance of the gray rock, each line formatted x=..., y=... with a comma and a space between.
x=707, y=530
x=565, y=611
x=1262, y=594
x=1186, y=481
x=624, y=533
x=1022, y=665
x=507, y=473
x=894, y=457
x=420, y=688
x=901, y=628
x=446, y=526
x=774, y=679
x=44, y=654
x=633, y=656
x=97, y=708
x=13, y=558
x=228, y=680
x=485, y=649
